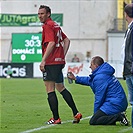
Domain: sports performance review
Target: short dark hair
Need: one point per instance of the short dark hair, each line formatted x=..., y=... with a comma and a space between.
x=46, y=8
x=129, y=10
x=97, y=60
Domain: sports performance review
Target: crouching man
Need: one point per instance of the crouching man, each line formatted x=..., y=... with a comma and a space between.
x=110, y=99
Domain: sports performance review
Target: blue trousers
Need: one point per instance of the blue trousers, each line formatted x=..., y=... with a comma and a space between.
x=132, y=116
x=129, y=81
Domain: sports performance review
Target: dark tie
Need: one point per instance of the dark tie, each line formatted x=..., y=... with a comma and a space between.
x=125, y=33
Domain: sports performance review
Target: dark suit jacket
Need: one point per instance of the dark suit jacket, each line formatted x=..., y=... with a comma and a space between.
x=128, y=61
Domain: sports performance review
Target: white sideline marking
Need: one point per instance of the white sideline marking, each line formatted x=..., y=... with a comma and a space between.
x=125, y=130
x=48, y=126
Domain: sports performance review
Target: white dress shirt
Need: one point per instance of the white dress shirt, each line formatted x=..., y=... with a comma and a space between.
x=124, y=43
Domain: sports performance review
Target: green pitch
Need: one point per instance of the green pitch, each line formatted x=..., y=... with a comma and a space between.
x=24, y=109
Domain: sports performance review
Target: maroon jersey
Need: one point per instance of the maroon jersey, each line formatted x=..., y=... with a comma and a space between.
x=52, y=32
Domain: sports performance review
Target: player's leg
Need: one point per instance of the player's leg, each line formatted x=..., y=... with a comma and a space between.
x=49, y=76
x=67, y=97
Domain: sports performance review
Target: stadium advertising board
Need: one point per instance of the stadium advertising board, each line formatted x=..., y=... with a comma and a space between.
x=18, y=70
x=26, y=48
x=80, y=69
x=26, y=19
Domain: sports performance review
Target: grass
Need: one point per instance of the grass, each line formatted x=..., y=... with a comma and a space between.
x=24, y=106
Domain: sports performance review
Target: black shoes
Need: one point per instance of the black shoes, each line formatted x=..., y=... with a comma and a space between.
x=124, y=120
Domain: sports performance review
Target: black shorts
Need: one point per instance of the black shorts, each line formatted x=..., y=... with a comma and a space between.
x=53, y=73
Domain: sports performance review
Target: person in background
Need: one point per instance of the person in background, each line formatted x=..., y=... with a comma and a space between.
x=75, y=58
x=9, y=72
x=110, y=100
x=127, y=54
x=55, y=45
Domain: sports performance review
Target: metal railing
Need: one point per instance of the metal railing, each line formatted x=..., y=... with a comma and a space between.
x=120, y=25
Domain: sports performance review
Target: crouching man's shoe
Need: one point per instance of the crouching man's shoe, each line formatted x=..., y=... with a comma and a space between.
x=124, y=120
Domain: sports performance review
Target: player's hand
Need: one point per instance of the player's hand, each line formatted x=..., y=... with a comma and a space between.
x=42, y=66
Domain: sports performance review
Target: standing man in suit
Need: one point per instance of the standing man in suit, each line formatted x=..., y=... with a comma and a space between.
x=127, y=54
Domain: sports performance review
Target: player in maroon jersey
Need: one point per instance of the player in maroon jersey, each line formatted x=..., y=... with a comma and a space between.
x=55, y=45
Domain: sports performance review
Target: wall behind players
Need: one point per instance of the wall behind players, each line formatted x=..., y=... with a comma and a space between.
x=85, y=22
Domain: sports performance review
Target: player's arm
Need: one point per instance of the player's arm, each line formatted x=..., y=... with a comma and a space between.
x=49, y=49
x=47, y=53
x=66, y=45
x=49, y=37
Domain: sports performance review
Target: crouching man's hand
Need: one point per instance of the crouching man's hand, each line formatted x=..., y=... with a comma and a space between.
x=71, y=76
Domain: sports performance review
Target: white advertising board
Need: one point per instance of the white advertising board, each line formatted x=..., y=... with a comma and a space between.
x=80, y=69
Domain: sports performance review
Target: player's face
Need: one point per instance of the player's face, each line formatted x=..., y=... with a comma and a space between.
x=43, y=15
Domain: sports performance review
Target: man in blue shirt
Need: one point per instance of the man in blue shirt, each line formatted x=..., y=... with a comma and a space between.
x=110, y=99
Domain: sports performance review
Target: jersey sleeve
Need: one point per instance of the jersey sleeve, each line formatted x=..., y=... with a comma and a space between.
x=63, y=36
x=49, y=34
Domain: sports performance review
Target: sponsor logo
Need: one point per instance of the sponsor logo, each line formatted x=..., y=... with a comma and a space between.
x=75, y=69
x=16, y=71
